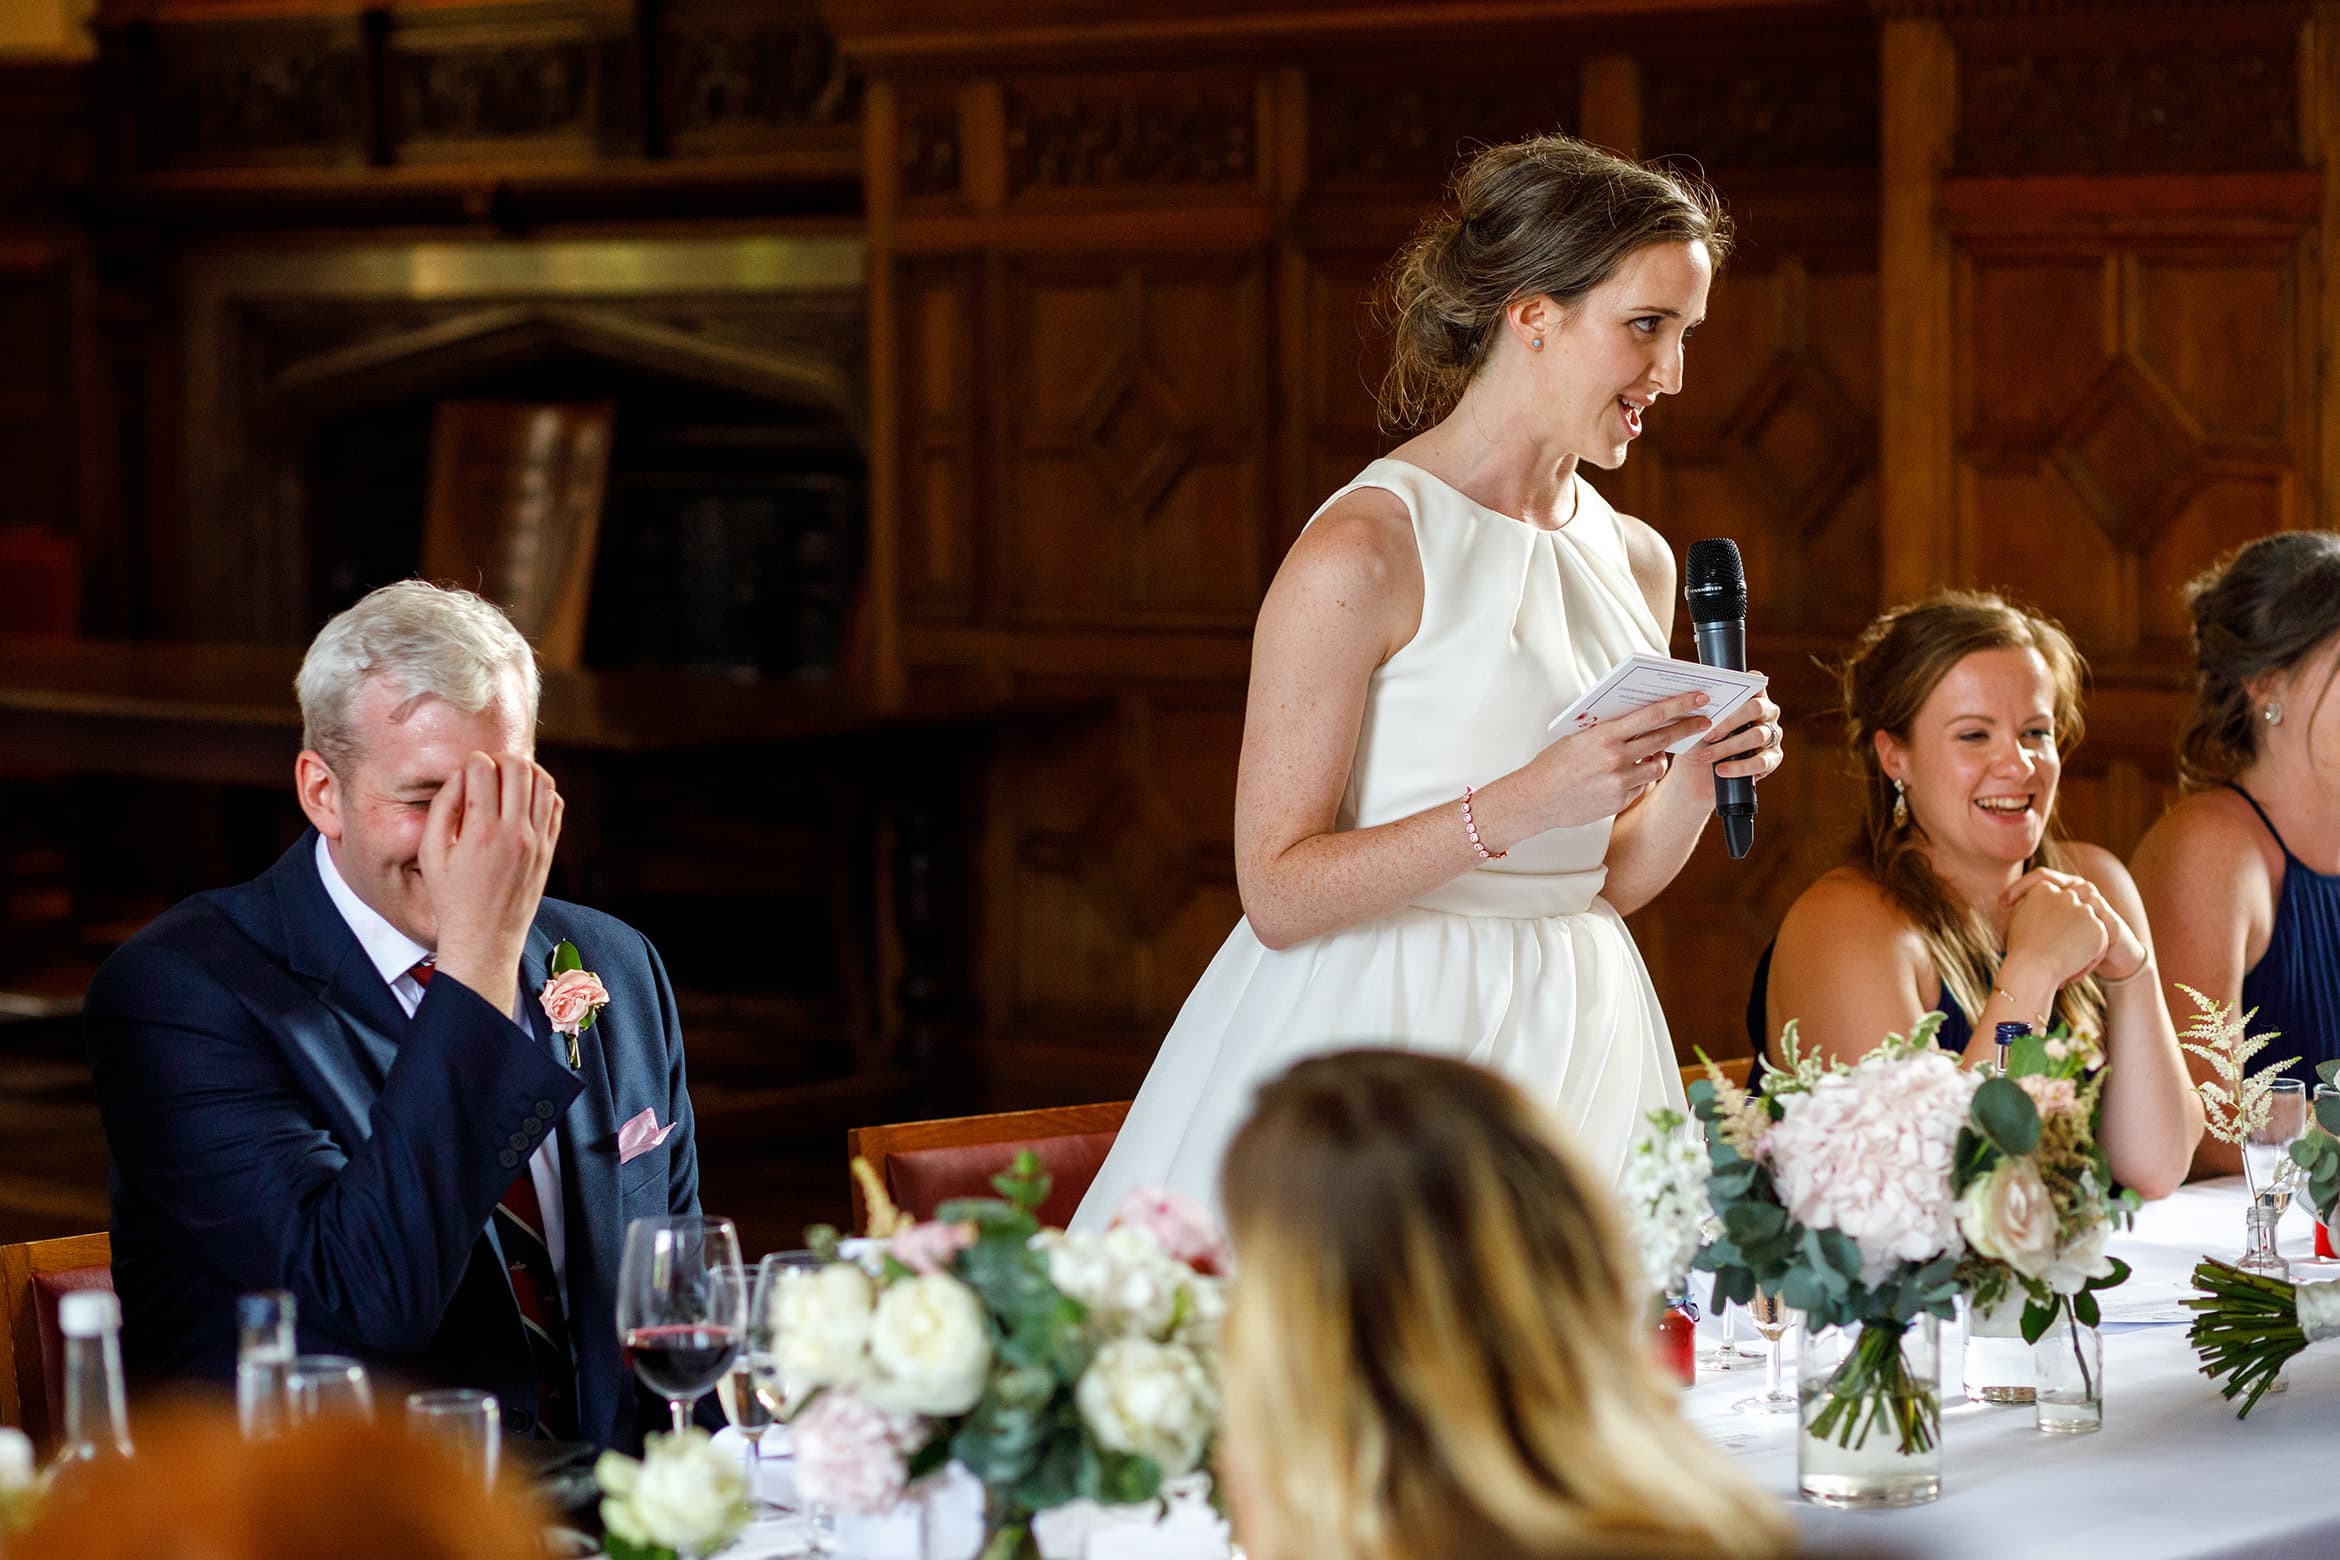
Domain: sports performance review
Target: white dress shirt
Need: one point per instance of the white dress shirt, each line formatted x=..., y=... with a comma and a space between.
x=394, y=955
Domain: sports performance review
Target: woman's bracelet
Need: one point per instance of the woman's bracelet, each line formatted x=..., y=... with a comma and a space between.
x=2108, y=982
x=2040, y=1022
x=1471, y=828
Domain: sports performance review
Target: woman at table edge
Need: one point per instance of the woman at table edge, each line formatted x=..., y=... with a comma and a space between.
x=2242, y=876
x=1963, y=895
x=1438, y=1350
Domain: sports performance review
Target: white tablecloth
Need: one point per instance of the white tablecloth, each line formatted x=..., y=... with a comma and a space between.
x=2171, y=1476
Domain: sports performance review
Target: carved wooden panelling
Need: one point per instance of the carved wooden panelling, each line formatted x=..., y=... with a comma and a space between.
x=453, y=91
x=37, y=429
x=1372, y=124
x=1343, y=352
x=290, y=92
x=1094, y=132
x=1131, y=486
x=731, y=74
x=2124, y=417
x=1773, y=442
x=929, y=155
x=1814, y=108
x=2189, y=104
x=936, y=310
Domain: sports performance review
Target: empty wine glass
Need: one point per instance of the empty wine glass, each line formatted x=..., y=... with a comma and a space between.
x=2271, y=1175
x=781, y=1397
x=321, y=1385
x=1772, y=1320
x=681, y=1300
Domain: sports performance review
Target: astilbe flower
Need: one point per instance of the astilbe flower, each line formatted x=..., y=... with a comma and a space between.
x=1868, y=1152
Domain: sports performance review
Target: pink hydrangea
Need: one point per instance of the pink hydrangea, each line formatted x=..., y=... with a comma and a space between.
x=1178, y=1223
x=1868, y=1152
x=931, y=1247
x=851, y=1455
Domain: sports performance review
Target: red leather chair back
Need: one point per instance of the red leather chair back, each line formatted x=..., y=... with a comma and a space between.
x=48, y=1290
x=924, y=1164
x=34, y=1277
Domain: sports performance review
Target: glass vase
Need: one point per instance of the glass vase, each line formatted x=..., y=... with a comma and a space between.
x=2069, y=1365
x=1996, y=1366
x=1869, y=1414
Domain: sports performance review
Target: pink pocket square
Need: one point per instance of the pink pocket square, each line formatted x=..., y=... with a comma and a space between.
x=640, y=1135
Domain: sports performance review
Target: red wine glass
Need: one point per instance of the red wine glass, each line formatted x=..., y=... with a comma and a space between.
x=681, y=1305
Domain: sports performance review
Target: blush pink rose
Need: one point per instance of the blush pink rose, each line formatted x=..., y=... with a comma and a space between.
x=1178, y=1223
x=931, y=1247
x=851, y=1455
x=569, y=999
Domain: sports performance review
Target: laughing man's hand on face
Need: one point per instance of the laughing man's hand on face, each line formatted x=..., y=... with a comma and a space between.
x=486, y=848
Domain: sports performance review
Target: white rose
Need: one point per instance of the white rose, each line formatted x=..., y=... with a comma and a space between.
x=821, y=1320
x=929, y=1347
x=1129, y=1283
x=1150, y=1399
x=1205, y=1314
x=2084, y=1258
x=2008, y=1216
x=684, y=1495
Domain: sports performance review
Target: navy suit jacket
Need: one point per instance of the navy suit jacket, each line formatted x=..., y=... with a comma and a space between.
x=277, y=1122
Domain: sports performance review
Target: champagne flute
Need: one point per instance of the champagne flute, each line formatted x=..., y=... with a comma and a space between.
x=681, y=1300
x=1772, y=1320
x=2271, y=1175
x=747, y=1403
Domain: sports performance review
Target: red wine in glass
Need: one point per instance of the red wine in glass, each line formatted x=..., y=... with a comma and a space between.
x=681, y=1361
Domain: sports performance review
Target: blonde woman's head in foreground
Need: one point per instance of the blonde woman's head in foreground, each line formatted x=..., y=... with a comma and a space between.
x=1437, y=1347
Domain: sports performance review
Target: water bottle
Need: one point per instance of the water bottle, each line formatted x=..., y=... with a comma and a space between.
x=2009, y=1033
x=264, y=1357
x=97, y=1425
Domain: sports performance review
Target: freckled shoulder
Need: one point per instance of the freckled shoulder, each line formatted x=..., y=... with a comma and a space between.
x=1653, y=568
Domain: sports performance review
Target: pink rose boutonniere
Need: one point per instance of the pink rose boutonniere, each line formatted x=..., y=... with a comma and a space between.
x=573, y=997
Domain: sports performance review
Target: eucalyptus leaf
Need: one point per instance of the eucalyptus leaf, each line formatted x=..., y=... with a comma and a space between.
x=2005, y=1114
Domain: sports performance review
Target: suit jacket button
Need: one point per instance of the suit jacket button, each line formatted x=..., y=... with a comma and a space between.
x=533, y=1127
x=544, y=1110
x=517, y=1142
x=508, y=1159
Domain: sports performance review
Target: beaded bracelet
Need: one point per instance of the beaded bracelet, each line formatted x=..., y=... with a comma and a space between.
x=1472, y=829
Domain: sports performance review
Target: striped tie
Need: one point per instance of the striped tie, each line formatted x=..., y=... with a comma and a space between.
x=519, y=1227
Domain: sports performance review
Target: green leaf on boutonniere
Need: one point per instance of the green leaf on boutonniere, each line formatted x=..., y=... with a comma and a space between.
x=565, y=958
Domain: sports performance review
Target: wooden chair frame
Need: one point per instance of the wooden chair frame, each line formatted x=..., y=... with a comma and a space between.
x=24, y=1398
x=878, y=1144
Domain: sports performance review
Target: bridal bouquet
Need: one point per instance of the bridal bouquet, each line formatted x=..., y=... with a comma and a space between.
x=1833, y=1185
x=2036, y=1200
x=1055, y=1368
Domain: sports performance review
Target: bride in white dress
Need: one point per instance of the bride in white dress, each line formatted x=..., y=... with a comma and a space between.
x=1421, y=865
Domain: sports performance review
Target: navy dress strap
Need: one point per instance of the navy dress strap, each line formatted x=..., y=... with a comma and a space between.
x=2295, y=986
x=1952, y=1036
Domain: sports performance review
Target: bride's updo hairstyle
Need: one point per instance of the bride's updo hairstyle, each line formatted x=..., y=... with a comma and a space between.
x=1438, y=1346
x=1548, y=216
x=2260, y=612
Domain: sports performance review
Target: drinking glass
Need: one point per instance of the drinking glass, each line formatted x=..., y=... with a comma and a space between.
x=319, y=1385
x=468, y=1424
x=2271, y=1175
x=681, y=1298
x=1772, y=1320
x=763, y=1361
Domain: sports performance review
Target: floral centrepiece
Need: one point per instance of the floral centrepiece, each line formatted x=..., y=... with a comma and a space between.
x=682, y=1498
x=2036, y=1199
x=1834, y=1188
x=1056, y=1368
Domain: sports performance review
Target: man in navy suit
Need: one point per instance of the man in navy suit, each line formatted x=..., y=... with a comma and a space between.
x=341, y=1078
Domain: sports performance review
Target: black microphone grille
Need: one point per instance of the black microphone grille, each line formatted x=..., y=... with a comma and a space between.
x=1715, y=565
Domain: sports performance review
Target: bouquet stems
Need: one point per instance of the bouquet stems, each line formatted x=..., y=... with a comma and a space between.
x=1873, y=1389
x=2246, y=1329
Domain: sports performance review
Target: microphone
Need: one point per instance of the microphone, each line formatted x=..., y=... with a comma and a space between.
x=1715, y=585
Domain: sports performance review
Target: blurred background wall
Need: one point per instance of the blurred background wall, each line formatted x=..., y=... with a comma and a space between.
x=887, y=414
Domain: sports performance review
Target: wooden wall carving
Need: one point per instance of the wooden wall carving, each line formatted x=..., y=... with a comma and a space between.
x=2186, y=105
x=737, y=73
x=1088, y=132
x=1760, y=108
x=256, y=93
x=1372, y=124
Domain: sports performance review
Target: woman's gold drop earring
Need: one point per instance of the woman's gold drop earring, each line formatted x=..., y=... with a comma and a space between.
x=1900, y=805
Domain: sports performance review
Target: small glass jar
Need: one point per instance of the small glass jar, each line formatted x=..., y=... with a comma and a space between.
x=1676, y=1334
x=1996, y=1366
x=2069, y=1361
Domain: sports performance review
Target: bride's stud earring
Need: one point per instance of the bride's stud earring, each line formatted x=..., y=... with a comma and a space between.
x=2272, y=713
x=1538, y=343
x=1900, y=805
